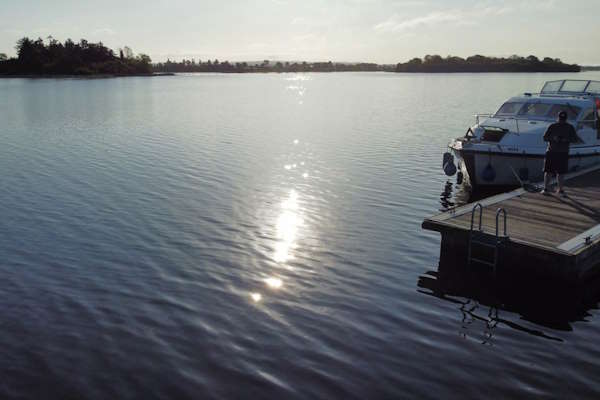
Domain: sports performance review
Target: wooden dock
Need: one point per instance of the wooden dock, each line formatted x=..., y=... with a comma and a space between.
x=553, y=236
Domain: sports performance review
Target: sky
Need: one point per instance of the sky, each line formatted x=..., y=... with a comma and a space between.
x=381, y=31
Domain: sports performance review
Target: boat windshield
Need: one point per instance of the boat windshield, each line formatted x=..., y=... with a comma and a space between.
x=594, y=87
x=571, y=86
x=509, y=108
x=535, y=109
x=574, y=86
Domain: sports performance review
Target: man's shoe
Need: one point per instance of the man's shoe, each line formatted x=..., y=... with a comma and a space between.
x=545, y=192
x=562, y=193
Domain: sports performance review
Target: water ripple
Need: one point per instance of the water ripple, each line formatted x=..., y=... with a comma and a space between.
x=257, y=236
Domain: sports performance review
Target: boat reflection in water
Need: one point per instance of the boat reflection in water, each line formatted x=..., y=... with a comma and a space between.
x=455, y=194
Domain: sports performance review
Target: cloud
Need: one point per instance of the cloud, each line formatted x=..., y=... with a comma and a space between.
x=539, y=5
x=257, y=46
x=299, y=21
x=308, y=37
x=393, y=24
x=104, y=32
x=454, y=16
x=11, y=31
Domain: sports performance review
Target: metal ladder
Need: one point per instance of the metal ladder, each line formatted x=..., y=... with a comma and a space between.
x=478, y=237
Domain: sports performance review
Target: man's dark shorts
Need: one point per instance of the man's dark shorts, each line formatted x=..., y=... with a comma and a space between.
x=556, y=162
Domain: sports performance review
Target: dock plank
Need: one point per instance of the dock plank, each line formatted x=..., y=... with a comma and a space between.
x=547, y=221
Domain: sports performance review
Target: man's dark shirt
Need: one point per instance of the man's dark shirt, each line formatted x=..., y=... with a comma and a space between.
x=559, y=135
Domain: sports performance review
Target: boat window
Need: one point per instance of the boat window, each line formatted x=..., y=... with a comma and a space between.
x=572, y=111
x=571, y=86
x=589, y=119
x=535, y=109
x=574, y=86
x=552, y=87
x=509, y=108
x=593, y=87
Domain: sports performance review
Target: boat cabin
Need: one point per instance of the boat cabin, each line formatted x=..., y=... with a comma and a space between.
x=579, y=98
x=508, y=147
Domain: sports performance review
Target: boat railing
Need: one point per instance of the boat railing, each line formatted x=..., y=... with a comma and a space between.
x=583, y=95
x=483, y=115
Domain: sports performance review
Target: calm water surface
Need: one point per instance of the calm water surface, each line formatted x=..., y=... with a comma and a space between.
x=245, y=236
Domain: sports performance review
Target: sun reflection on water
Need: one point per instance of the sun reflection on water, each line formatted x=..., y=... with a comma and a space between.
x=256, y=297
x=298, y=87
x=274, y=283
x=299, y=77
x=287, y=228
x=288, y=218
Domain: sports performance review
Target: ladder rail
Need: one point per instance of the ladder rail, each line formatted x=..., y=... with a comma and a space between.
x=478, y=205
x=497, y=241
x=498, y=212
x=475, y=207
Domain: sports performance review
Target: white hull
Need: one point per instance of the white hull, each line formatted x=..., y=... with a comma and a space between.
x=507, y=167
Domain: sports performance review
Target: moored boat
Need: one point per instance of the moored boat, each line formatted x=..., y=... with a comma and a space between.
x=507, y=147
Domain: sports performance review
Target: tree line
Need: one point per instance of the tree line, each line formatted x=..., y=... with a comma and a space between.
x=264, y=66
x=36, y=57
x=478, y=63
x=430, y=63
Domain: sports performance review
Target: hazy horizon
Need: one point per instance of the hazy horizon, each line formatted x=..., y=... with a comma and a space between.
x=380, y=31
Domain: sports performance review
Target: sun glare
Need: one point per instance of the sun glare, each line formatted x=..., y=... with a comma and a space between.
x=287, y=228
x=274, y=283
x=256, y=297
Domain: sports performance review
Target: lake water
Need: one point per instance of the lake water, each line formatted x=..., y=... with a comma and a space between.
x=258, y=236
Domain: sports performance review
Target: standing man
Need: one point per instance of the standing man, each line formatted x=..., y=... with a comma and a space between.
x=558, y=135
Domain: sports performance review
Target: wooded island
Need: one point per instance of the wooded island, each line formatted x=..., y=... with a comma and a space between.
x=34, y=57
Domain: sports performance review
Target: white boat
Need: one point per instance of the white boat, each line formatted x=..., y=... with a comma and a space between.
x=507, y=148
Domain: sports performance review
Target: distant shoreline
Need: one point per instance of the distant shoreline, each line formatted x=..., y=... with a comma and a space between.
x=429, y=64
x=162, y=74
x=384, y=70
x=91, y=76
x=86, y=60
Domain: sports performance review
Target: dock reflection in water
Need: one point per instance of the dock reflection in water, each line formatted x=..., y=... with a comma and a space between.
x=524, y=303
